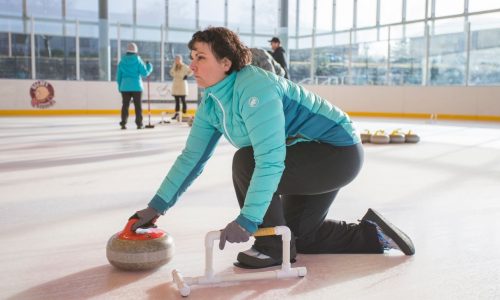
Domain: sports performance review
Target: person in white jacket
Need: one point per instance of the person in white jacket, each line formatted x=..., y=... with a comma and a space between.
x=180, y=73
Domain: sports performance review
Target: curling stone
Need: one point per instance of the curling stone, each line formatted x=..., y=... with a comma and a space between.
x=144, y=249
x=380, y=137
x=397, y=137
x=412, y=137
x=365, y=136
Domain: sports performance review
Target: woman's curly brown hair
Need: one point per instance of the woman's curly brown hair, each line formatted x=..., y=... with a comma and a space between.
x=224, y=44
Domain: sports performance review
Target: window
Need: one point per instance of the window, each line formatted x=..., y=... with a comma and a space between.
x=366, y=13
x=344, y=15
x=391, y=11
x=211, y=13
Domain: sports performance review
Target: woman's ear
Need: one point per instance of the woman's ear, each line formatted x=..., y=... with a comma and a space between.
x=226, y=63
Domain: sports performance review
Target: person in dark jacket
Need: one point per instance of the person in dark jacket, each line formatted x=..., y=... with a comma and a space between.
x=296, y=150
x=129, y=75
x=279, y=54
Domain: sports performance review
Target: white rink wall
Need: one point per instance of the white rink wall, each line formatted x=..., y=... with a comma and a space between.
x=89, y=97
x=78, y=96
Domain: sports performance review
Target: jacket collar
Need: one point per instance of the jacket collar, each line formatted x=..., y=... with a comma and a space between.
x=223, y=88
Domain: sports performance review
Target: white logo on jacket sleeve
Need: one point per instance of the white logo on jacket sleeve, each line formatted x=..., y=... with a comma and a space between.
x=253, y=101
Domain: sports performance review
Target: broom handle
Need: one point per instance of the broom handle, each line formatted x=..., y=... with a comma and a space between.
x=149, y=106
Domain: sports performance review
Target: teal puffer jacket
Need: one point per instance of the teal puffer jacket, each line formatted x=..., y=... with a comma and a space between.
x=255, y=108
x=129, y=72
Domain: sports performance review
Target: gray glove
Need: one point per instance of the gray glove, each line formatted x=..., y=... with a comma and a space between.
x=233, y=233
x=146, y=218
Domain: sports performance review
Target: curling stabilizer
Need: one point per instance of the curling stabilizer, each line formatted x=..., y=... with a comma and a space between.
x=144, y=249
x=211, y=278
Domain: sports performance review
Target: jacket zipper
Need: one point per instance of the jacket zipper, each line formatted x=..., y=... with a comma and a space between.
x=223, y=119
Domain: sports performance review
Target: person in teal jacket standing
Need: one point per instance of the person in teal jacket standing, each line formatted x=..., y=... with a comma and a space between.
x=295, y=152
x=129, y=75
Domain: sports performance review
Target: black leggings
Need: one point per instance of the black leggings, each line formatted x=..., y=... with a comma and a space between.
x=126, y=98
x=313, y=176
x=178, y=99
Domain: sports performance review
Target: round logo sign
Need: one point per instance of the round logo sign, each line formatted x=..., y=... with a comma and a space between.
x=42, y=94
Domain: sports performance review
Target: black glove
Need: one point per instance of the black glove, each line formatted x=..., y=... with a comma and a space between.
x=146, y=218
x=185, y=77
x=148, y=62
x=233, y=233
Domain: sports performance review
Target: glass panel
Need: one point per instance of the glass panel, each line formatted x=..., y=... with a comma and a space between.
x=211, y=13
x=179, y=37
x=55, y=57
x=182, y=14
x=240, y=15
x=407, y=61
x=478, y=5
x=332, y=65
x=449, y=7
x=292, y=17
x=300, y=65
x=324, y=40
x=366, y=35
x=391, y=11
x=324, y=13
x=344, y=14
x=485, y=50
x=266, y=17
x=151, y=12
x=369, y=63
x=83, y=10
x=51, y=28
x=305, y=43
x=447, y=54
x=89, y=57
x=19, y=65
x=415, y=10
x=366, y=13
x=342, y=38
x=12, y=8
x=120, y=11
x=10, y=25
x=44, y=8
x=305, y=18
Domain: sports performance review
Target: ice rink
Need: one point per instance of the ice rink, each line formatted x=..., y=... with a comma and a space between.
x=68, y=183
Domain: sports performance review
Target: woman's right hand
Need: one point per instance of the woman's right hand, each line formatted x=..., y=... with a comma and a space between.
x=146, y=218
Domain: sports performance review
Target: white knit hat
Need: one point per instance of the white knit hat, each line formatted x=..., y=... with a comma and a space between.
x=132, y=48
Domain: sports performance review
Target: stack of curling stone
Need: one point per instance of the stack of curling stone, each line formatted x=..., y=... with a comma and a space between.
x=143, y=249
x=397, y=137
x=411, y=137
x=365, y=136
x=380, y=137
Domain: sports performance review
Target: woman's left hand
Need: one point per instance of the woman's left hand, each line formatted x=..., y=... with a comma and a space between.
x=233, y=233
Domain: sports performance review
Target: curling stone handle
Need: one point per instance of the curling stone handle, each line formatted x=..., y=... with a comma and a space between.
x=128, y=227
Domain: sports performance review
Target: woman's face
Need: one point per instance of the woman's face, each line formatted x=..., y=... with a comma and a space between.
x=206, y=68
x=178, y=60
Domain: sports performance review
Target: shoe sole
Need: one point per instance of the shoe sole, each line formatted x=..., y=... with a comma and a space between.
x=399, y=237
x=245, y=266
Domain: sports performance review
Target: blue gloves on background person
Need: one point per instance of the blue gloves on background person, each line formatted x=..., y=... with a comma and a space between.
x=233, y=233
x=146, y=218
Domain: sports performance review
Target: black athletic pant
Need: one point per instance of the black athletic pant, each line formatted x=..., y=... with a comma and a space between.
x=126, y=98
x=178, y=99
x=313, y=175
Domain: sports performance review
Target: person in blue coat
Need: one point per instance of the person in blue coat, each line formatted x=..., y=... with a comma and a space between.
x=129, y=75
x=295, y=152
